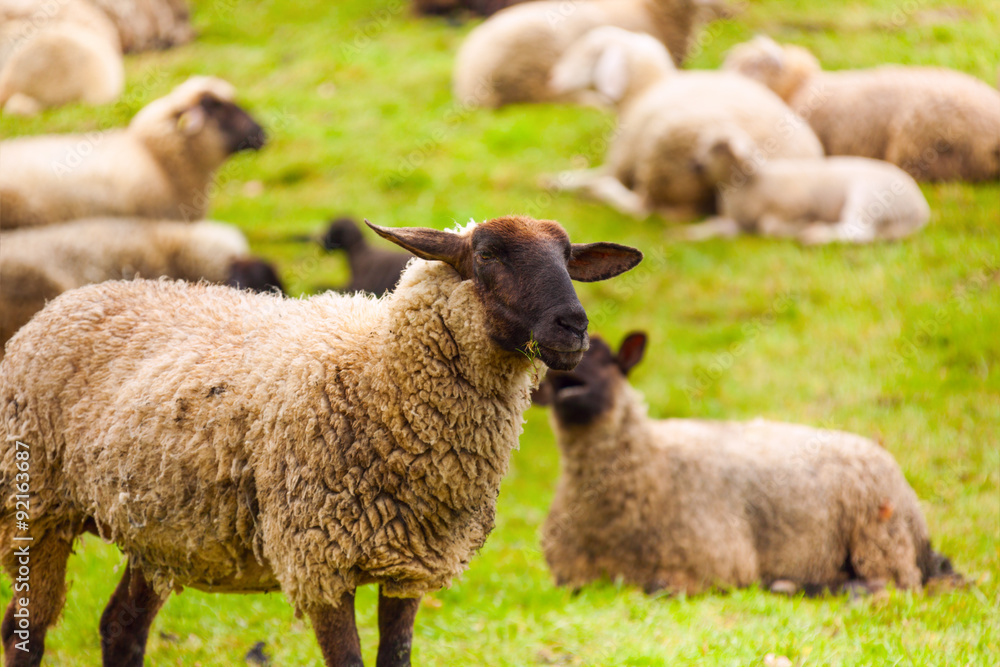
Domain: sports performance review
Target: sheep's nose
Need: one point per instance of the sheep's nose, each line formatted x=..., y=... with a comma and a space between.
x=574, y=321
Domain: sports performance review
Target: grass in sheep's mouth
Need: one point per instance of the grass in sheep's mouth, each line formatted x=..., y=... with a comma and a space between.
x=895, y=341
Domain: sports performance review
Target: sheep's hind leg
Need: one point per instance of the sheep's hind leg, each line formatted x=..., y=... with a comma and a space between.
x=337, y=633
x=47, y=561
x=126, y=620
x=395, y=629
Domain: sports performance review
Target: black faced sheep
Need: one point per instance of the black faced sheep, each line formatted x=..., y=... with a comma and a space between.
x=40, y=263
x=686, y=505
x=373, y=270
x=240, y=442
x=160, y=166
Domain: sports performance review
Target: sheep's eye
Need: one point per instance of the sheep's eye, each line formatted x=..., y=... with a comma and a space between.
x=486, y=256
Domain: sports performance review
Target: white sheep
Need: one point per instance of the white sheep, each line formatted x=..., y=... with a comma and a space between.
x=240, y=442
x=686, y=505
x=160, y=166
x=850, y=199
x=663, y=114
x=56, y=53
x=508, y=58
x=936, y=123
x=38, y=264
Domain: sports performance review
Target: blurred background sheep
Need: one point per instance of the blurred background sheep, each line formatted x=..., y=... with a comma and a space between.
x=56, y=53
x=160, y=166
x=936, y=123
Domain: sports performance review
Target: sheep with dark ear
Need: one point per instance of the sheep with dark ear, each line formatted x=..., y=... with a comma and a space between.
x=687, y=505
x=160, y=166
x=241, y=442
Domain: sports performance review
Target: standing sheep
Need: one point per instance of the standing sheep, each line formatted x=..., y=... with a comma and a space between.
x=663, y=114
x=851, y=199
x=373, y=270
x=240, y=442
x=509, y=57
x=38, y=264
x=160, y=166
x=686, y=505
x=936, y=123
x=56, y=53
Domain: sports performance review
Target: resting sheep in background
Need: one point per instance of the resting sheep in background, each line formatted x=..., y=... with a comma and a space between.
x=685, y=505
x=160, y=166
x=663, y=114
x=57, y=53
x=145, y=25
x=241, y=442
x=38, y=264
x=936, y=123
x=373, y=270
x=848, y=199
x=509, y=57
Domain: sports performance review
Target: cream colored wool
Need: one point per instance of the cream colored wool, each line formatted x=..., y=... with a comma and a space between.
x=146, y=25
x=57, y=53
x=936, y=123
x=240, y=442
x=663, y=115
x=154, y=168
x=38, y=264
x=688, y=505
x=508, y=58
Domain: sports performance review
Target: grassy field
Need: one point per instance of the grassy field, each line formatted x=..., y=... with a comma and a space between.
x=898, y=342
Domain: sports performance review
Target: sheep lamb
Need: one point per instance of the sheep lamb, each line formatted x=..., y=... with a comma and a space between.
x=508, y=58
x=685, y=505
x=663, y=114
x=56, y=53
x=849, y=199
x=935, y=123
x=373, y=270
x=160, y=166
x=37, y=264
x=239, y=442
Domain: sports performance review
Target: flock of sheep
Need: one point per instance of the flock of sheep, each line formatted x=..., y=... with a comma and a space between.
x=235, y=440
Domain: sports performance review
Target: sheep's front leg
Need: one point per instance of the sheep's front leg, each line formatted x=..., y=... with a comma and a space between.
x=395, y=629
x=126, y=620
x=600, y=185
x=337, y=633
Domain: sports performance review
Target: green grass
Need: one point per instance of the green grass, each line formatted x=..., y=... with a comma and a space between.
x=898, y=342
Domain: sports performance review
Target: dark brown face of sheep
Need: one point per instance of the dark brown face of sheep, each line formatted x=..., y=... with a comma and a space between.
x=582, y=395
x=342, y=233
x=255, y=275
x=522, y=270
x=239, y=130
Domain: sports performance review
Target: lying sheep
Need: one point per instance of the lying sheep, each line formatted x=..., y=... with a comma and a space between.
x=937, y=124
x=56, y=53
x=662, y=116
x=509, y=57
x=160, y=166
x=39, y=264
x=239, y=442
x=146, y=25
x=686, y=505
x=851, y=199
x=373, y=270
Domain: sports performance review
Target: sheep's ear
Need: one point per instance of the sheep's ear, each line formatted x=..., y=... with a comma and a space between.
x=590, y=262
x=611, y=73
x=430, y=244
x=192, y=120
x=632, y=349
